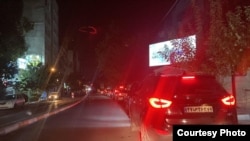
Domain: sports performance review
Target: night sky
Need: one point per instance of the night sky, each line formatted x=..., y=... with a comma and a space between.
x=133, y=16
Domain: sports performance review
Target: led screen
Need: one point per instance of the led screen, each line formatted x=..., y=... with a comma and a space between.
x=168, y=52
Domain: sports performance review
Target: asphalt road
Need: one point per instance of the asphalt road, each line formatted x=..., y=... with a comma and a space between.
x=98, y=118
x=31, y=110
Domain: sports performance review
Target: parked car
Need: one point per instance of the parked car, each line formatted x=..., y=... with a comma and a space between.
x=163, y=101
x=120, y=93
x=11, y=101
x=127, y=101
x=54, y=96
x=109, y=92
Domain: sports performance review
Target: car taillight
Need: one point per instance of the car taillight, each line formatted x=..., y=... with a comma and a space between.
x=159, y=103
x=188, y=77
x=229, y=100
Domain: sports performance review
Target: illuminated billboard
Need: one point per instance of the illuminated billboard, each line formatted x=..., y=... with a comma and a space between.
x=172, y=51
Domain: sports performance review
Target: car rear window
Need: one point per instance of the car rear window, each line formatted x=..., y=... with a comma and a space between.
x=202, y=85
x=205, y=85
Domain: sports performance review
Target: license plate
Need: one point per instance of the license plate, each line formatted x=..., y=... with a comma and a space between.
x=198, y=109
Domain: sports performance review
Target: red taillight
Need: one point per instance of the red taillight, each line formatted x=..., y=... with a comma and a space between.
x=159, y=103
x=229, y=100
x=188, y=77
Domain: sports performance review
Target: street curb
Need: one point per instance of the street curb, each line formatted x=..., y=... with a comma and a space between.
x=16, y=126
x=243, y=116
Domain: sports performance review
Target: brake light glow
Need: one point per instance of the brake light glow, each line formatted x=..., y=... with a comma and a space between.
x=159, y=103
x=229, y=100
x=188, y=77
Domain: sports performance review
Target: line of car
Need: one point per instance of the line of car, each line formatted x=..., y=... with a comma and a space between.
x=160, y=101
x=119, y=93
x=12, y=101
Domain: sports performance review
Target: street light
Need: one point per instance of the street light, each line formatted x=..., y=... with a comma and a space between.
x=52, y=69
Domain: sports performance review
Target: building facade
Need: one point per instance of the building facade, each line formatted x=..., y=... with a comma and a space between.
x=42, y=41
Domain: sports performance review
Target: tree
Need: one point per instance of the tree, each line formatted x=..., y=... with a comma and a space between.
x=74, y=81
x=223, y=37
x=112, y=55
x=229, y=41
x=37, y=78
x=12, y=44
x=33, y=79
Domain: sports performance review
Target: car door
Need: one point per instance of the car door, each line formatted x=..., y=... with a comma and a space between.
x=19, y=100
x=142, y=95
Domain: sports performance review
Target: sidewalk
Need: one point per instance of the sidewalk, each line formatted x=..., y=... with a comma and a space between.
x=66, y=103
x=243, y=115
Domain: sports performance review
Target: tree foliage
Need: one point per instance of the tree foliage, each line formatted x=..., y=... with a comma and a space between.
x=74, y=81
x=222, y=36
x=37, y=78
x=112, y=55
x=229, y=39
x=12, y=29
x=33, y=77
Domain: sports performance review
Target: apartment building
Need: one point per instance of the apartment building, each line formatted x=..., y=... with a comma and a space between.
x=42, y=41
